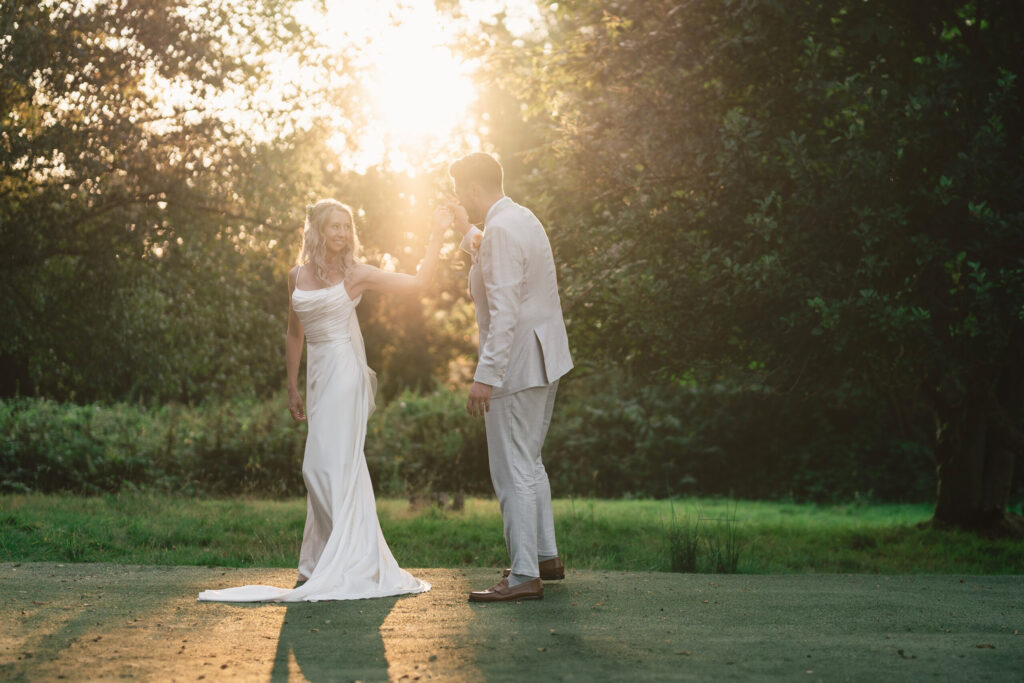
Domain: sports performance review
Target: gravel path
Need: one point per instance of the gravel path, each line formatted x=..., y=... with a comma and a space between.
x=95, y=621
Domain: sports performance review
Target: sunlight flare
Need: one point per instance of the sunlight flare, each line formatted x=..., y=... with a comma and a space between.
x=415, y=89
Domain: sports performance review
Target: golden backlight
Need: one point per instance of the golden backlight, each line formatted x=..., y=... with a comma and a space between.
x=408, y=97
x=416, y=91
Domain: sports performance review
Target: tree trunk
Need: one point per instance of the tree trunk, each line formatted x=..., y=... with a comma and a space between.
x=975, y=456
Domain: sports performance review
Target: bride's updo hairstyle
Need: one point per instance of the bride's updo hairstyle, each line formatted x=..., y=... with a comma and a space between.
x=314, y=243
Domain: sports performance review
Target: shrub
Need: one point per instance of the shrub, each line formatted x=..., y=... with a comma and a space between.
x=421, y=443
x=612, y=437
x=234, y=447
x=608, y=437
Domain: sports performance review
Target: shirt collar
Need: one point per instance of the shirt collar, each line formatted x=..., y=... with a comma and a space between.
x=494, y=209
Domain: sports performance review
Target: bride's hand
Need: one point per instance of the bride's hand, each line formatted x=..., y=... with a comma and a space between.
x=443, y=219
x=460, y=215
x=296, y=408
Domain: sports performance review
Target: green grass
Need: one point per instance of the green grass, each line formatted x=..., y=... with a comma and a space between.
x=637, y=535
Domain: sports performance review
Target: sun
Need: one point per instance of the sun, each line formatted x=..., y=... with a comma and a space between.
x=418, y=88
x=417, y=92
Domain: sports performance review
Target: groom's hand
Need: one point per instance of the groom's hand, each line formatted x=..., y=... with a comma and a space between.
x=479, y=401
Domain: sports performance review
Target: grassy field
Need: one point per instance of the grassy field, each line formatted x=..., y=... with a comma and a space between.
x=761, y=537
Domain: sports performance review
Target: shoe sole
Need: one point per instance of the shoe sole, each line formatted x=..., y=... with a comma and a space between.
x=517, y=599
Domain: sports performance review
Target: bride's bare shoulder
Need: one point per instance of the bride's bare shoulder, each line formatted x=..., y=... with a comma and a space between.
x=302, y=277
x=360, y=272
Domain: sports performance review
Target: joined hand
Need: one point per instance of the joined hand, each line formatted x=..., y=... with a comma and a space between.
x=461, y=216
x=444, y=218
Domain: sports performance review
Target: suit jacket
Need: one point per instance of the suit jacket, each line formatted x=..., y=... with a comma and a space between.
x=523, y=342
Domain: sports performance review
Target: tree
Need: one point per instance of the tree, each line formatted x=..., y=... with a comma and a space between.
x=152, y=194
x=116, y=179
x=819, y=199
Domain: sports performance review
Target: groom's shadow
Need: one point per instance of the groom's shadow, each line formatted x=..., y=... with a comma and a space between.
x=333, y=640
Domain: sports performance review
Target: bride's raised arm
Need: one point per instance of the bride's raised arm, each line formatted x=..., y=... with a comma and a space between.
x=366, y=277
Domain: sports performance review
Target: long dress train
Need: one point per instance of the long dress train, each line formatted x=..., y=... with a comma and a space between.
x=344, y=555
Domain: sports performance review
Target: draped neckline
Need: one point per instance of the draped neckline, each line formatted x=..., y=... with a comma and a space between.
x=325, y=289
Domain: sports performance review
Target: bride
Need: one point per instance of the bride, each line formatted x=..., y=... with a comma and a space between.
x=343, y=555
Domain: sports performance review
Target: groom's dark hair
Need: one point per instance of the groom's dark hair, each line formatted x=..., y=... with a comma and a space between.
x=477, y=167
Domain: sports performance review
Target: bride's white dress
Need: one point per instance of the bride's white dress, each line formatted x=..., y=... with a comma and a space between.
x=344, y=555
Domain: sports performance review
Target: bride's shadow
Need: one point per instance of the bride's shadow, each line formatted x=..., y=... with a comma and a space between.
x=333, y=640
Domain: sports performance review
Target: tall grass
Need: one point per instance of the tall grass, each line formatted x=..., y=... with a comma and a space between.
x=723, y=542
x=684, y=543
x=741, y=536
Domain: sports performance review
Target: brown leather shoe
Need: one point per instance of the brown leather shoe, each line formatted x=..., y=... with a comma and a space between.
x=550, y=570
x=501, y=592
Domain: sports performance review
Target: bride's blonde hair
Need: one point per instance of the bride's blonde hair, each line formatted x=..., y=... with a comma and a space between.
x=314, y=243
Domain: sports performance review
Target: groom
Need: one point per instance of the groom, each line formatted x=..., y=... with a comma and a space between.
x=523, y=352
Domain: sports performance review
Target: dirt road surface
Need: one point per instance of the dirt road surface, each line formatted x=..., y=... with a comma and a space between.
x=101, y=621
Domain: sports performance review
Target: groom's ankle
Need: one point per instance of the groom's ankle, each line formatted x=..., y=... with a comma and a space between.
x=516, y=579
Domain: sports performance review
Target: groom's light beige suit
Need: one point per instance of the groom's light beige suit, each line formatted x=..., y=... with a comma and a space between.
x=523, y=352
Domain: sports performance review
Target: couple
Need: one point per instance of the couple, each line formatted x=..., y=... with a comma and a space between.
x=523, y=352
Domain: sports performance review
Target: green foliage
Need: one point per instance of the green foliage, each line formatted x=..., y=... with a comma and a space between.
x=238, y=447
x=610, y=436
x=415, y=444
x=145, y=238
x=665, y=440
x=131, y=266
x=419, y=443
x=817, y=200
x=791, y=230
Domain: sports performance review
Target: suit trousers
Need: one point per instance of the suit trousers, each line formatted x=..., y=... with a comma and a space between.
x=516, y=426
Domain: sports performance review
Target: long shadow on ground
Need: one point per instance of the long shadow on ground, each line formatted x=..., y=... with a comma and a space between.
x=325, y=640
x=100, y=620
